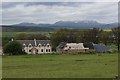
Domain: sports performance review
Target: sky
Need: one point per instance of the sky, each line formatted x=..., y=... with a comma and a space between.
x=51, y=12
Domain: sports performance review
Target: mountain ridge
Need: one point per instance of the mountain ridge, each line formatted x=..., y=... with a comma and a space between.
x=70, y=24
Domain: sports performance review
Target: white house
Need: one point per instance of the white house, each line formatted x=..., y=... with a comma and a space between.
x=74, y=46
x=71, y=48
x=36, y=46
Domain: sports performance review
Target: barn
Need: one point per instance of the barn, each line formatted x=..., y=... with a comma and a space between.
x=101, y=48
x=71, y=48
x=81, y=47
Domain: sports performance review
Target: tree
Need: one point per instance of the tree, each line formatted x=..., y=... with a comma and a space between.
x=105, y=37
x=66, y=35
x=13, y=48
x=5, y=40
x=91, y=35
x=116, y=33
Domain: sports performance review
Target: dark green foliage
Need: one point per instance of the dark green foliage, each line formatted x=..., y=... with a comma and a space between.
x=75, y=36
x=5, y=40
x=91, y=35
x=66, y=35
x=116, y=33
x=13, y=48
x=105, y=37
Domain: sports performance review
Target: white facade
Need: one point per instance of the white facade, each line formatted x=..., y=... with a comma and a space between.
x=36, y=46
x=73, y=46
x=38, y=49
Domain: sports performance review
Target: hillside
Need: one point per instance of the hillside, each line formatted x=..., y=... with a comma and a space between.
x=71, y=24
x=25, y=29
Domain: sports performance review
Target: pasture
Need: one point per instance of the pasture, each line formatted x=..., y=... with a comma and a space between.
x=60, y=66
x=12, y=34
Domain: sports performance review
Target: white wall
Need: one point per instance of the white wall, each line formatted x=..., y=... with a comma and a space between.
x=39, y=49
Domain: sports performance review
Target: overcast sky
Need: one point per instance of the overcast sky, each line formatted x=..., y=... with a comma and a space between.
x=51, y=12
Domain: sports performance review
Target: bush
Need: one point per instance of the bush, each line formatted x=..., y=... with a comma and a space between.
x=13, y=48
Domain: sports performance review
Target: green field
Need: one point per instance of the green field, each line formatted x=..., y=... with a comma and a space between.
x=12, y=34
x=60, y=66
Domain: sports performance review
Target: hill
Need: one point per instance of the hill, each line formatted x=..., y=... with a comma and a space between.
x=71, y=24
x=25, y=29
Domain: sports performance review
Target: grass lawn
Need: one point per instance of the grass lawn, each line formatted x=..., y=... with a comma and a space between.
x=60, y=66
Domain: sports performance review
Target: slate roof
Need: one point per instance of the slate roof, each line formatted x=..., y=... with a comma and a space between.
x=61, y=45
x=88, y=45
x=32, y=42
x=43, y=42
x=101, y=48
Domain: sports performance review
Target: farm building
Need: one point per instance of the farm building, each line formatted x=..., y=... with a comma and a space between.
x=90, y=46
x=71, y=48
x=101, y=48
x=36, y=46
x=81, y=47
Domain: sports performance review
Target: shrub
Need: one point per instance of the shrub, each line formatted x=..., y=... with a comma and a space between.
x=13, y=48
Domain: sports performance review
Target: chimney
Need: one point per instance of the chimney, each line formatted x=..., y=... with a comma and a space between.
x=12, y=39
x=35, y=42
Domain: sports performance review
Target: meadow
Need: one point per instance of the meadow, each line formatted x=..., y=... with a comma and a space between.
x=12, y=34
x=60, y=66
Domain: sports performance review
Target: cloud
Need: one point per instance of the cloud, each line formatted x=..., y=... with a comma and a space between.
x=60, y=0
x=51, y=12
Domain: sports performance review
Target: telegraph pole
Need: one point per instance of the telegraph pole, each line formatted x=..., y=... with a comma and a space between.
x=118, y=38
x=118, y=27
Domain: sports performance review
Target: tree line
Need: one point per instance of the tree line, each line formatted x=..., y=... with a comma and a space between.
x=94, y=35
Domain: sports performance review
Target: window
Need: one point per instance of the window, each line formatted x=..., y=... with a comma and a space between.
x=46, y=50
x=49, y=50
x=30, y=45
x=41, y=50
x=37, y=50
x=47, y=45
x=24, y=45
x=29, y=50
x=39, y=45
x=23, y=50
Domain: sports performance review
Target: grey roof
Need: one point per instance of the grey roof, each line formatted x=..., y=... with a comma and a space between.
x=32, y=42
x=101, y=48
x=88, y=45
x=43, y=42
x=61, y=45
x=27, y=42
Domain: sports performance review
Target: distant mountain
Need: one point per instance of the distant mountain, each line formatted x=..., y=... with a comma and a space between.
x=71, y=24
x=25, y=24
x=32, y=25
x=84, y=24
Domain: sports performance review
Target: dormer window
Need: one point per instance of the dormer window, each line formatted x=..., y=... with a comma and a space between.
x=39, y=45
x=47, y=45
x=24, y=45
x=30, y=45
